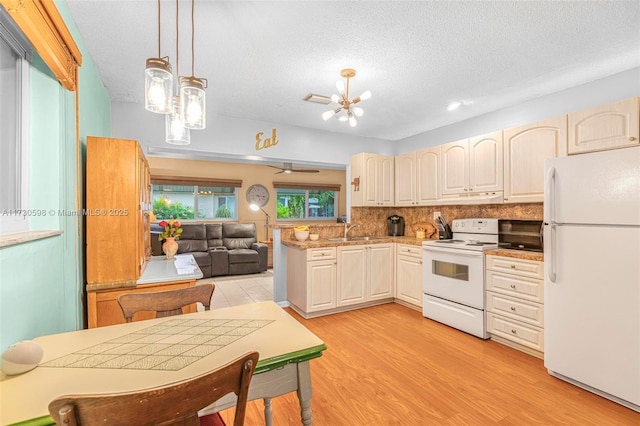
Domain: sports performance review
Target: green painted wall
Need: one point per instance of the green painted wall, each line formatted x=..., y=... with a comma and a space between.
x=41, y=282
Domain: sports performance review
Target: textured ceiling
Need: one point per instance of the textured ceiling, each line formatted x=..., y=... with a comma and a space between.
x=262, y=57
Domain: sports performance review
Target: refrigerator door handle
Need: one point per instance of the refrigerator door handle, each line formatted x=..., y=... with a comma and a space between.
x=549, y=190
x=552, y=254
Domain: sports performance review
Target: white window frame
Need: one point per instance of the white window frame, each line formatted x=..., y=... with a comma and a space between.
x=16, y=222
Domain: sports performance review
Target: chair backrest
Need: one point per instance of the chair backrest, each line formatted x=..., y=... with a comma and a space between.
x=175, y=404
x=165, y=303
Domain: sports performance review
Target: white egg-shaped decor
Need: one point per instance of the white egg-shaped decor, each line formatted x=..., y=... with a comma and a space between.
x=21, y=357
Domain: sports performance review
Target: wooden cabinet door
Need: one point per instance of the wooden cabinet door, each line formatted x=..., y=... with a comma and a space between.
x=380, y=277
x=605, y=127
x=351, y=275
x=368, y=183
x=405, y=179
x=455, y=169
x=485, y=163
x=114, y=228
x=384, y=183
x=321, y=284
x=428, y=176
x=409, y=279
x=525, y=149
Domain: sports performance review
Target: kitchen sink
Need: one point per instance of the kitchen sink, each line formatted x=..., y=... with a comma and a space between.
x=342, y=239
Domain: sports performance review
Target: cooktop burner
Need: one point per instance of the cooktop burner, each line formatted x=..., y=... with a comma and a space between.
x=470, y=234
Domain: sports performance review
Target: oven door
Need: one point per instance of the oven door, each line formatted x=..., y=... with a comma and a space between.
x=455, y=275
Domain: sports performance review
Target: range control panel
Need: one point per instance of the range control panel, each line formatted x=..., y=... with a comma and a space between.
x=476, y=226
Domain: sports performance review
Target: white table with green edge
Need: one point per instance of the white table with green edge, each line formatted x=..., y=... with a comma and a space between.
x=157, y=352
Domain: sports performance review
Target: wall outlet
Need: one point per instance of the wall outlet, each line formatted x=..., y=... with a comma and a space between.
x=436, y=215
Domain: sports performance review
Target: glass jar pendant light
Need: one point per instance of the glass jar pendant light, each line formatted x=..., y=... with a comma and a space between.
x=158, y=81
x=193, y=99
x=175, y=131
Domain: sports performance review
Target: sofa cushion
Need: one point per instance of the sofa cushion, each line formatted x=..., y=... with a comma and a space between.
x=191, y=246
x=238, y=235
x=193, y=238
x=243, y=256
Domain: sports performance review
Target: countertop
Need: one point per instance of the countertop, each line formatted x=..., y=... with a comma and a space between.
x=323, y=242
x=517, y=254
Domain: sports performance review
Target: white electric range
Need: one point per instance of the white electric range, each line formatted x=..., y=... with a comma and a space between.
x=453, y=275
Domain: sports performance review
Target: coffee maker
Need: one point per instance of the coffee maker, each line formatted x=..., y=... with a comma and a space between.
x=395, y=225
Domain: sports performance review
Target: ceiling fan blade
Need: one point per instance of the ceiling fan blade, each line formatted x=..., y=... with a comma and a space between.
x=277, y=173
x=304, y=171
x=275, y=167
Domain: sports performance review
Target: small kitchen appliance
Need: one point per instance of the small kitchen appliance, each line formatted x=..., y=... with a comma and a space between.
x=520, y=234
x=395, y=224
x=453, y=275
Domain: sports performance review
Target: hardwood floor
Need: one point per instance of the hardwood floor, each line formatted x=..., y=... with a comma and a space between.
x=388, y=365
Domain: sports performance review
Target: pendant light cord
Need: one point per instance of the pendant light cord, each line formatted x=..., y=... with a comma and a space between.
x=193, y=55
x=159, y=29
x=177, y=43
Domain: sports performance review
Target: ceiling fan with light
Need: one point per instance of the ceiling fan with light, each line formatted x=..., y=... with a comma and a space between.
x=288, y=168
x=346, y=105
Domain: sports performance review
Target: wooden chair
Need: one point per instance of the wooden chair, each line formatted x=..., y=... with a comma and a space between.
x=175, y=404
x=165, y=303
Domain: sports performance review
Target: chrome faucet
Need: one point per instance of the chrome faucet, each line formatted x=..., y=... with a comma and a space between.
x=349, y=227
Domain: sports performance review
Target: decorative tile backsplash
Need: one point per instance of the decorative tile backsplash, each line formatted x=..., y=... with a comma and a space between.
x=373, y=220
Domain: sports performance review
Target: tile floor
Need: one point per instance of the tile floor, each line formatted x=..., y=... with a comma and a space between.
x=235, y=290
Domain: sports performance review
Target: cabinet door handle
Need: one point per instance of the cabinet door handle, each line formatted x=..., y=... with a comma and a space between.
x=513, y=266
x=514, y=331
x=513, y=286
x=632, y=138
x=513, y=308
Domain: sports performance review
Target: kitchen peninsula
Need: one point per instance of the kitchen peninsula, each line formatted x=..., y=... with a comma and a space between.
x=334, y=274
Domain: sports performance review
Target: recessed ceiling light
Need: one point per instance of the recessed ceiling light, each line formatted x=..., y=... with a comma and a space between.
x=454, y=106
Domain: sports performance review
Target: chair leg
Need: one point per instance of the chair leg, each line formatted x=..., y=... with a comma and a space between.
x=268, y=418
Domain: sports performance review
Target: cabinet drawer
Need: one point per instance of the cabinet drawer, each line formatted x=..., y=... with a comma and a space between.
x=512, y=285
x=526, y=335
x=321, y=253
x=520, y=267
x=529, y=312
x=408, y=250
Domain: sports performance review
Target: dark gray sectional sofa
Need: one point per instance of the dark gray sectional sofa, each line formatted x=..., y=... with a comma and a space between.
x=219, y=248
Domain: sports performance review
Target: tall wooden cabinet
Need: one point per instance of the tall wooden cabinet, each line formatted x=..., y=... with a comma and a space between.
x=117, y=211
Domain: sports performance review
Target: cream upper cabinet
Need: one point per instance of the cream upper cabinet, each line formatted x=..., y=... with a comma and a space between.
x=455, y=169
x=525, y=149
x=406, y=182
x=428, y=176
x=372, y=180
x=606, y=127
x=417, y=180
x=472, y=165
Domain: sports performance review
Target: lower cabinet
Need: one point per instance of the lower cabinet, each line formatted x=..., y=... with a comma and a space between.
x=365, y=273
x=515, y=303
x=409, y=275
x=311, y=279
x=322, y=281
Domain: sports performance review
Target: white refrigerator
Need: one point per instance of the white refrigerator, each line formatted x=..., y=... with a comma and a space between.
x=592, y=272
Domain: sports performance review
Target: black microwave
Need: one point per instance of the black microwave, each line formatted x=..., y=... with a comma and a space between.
x=520, y=234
